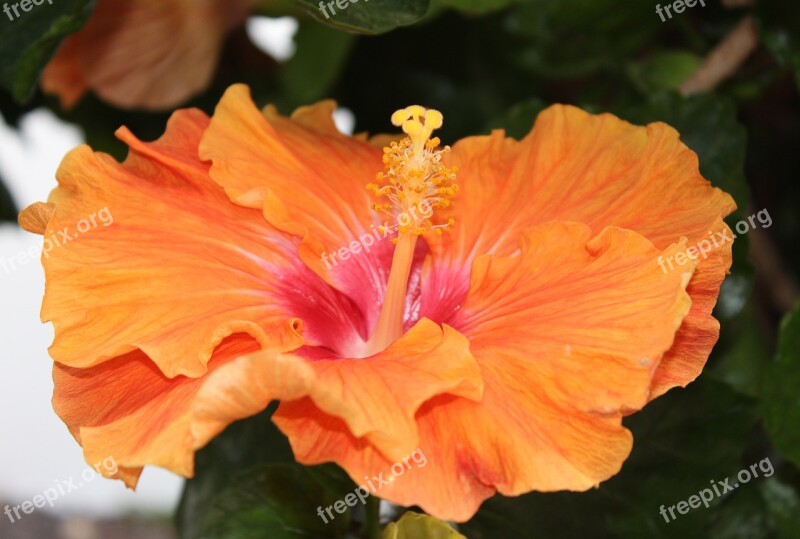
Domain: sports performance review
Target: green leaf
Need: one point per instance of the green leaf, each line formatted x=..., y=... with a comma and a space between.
x=279, y=501
x=518, y=120
x=574, y=38
x=770, y=510
x=783, y=506
x=781, y=397
x=332, y=477
x=367, y=16
x=663, y=71
x=478, y=7
x=744, y=359
x=416, y=526
x=312, y=71
x=244, y=444
x=779, y=24
x=28, y=42
x=8, y=210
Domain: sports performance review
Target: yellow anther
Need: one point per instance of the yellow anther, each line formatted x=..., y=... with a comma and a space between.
x=412, y=128
x=415, y=181
x=434, y=119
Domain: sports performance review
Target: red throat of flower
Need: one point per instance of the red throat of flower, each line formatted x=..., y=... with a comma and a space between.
x=414, y=182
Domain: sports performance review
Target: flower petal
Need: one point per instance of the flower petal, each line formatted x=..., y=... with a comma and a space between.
x=589, y=320
x=174, y=267
x=567, y=335
x=150, y=54
x=597, y=170
x=377, y=397
x=310, y=181
x=128, y=410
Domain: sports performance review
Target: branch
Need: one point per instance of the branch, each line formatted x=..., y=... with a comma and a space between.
x=724, y=60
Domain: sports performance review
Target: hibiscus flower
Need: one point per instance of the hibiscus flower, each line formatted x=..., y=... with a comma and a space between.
x=504, y=327
x=149, y=54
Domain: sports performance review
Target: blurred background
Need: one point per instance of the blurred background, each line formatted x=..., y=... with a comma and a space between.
x=724, y=74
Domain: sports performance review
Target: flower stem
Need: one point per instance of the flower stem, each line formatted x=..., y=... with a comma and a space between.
x=372, y=525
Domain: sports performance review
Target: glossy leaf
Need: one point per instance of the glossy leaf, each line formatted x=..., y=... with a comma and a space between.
x=663, y=71
x=478, y=7
x=781, y=396
x=316, y=66
x=27, y=42
x=279, y=501
x=780, y=30
x=367, y=16
x=245, y=444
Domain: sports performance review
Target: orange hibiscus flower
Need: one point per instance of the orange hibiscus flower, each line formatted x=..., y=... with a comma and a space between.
x=149, y=54
x=507, y=349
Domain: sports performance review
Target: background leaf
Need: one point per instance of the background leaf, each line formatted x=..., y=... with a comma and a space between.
x=243, y=445
x=28, y=42
x=321, y=53
x=782, y=390
x=368, y=16
x=279, y=501
x=780, y=30
x=8, y=210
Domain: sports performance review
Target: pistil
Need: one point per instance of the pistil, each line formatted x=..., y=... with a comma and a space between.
x=414, y=179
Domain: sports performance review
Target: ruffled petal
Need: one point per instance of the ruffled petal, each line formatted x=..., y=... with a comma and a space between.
x=151, y=54
x=310, y=181
x=597, y=170
x=159, y=259
x=128, y=410
x=567, y=335
x=377, y=397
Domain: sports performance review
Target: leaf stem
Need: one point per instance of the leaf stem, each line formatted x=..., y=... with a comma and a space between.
x=372, y=525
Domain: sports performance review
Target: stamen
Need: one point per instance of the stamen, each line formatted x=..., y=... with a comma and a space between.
x=414, y=182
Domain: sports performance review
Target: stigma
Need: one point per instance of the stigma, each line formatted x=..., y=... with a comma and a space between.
x=415, y=181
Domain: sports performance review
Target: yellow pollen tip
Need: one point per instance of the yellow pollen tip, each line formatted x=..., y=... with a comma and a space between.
x=415, y=181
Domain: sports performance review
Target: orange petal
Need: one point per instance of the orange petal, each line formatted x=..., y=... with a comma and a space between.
x=685, y=360
x=128, y=410
x=151, y=54
x=601, y=171
x=159, y=259
x=567, y=335
x=377, y=397
x=35, y=217
x=310, y=181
